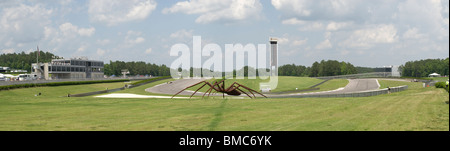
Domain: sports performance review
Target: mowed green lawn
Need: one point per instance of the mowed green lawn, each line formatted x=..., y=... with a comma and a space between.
x=332, y=85
x=416, y=109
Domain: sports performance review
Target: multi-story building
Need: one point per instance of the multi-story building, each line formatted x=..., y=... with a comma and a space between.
x=76, y=68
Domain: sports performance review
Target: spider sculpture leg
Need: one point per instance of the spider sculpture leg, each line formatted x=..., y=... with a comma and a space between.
x=244, y=92
x=233, y=87
x=198, y=89
x=213, y=87
x=205, y=83
x=249, y=89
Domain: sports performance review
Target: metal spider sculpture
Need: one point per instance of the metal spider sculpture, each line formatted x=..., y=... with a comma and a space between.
x=233, y=90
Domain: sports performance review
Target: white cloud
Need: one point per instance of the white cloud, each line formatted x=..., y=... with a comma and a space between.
x=299, y=7
x=113, y=12
x=148, y=51
x=103, y=41
x=345, y=52
x=283, y=41
x=324, y=45
x=412, y=33
x=68, y=29
x=312, y=26
x=7, y=51
x=293, y=21
x=323, y=9
x=22, y=24
x=304, y=25
x=334, y=26
x=182, y=34
x=133, y=37
x=228, y=11
x=299, y=42
x=82, y=48
x=367, y=38
x=100, y=52
x=86, y=31
x=316, y=25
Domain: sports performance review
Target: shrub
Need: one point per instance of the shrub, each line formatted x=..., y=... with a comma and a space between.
x=440, y=85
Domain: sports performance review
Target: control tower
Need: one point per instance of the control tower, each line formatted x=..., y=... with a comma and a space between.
x=274, y=56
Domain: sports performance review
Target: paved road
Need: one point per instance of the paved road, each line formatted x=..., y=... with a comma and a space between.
x=355, y=85
x=358, y=85
x=174, y=87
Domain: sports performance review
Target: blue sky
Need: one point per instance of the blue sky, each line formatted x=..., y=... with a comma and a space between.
x=362, y=32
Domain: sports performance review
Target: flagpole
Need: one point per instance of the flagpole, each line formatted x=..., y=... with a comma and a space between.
x=37, y=56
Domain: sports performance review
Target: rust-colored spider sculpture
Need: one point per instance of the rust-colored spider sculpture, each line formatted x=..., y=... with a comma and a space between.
x=233, y=90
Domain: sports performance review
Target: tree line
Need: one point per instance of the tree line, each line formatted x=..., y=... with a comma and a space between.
x=422, y=68
x=23, y=61
x=136, y=68
x=318, y=69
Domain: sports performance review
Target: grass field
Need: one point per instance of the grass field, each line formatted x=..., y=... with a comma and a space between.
x=416, y=109
x=441, y=79
x=332, y=85
x=389, y=83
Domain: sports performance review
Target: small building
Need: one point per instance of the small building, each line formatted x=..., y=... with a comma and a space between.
x=434, y=75
x=75, y=68
x=389, y=71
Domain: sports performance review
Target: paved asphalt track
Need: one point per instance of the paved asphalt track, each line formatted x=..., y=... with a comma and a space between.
x=174, y=87
x=355, y=85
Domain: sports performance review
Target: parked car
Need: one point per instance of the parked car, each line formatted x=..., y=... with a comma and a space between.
x=25, y=77
x=2, y=77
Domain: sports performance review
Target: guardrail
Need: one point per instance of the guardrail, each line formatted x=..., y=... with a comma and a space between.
x=353, y=94
x=354, y=76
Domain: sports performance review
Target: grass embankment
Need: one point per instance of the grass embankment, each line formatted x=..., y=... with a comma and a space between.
x=415, y=109
x=333, y=85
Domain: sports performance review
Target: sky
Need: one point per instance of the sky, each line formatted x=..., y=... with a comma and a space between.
x=369, y=33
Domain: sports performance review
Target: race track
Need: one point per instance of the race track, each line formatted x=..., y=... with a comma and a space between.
x=355, y=85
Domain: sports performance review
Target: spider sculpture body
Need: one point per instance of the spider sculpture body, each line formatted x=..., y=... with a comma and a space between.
x=234, y=90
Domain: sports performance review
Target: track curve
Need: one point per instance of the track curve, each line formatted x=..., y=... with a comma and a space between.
x=354, y=85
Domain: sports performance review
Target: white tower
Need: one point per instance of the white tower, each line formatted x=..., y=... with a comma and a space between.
x=274, y=56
